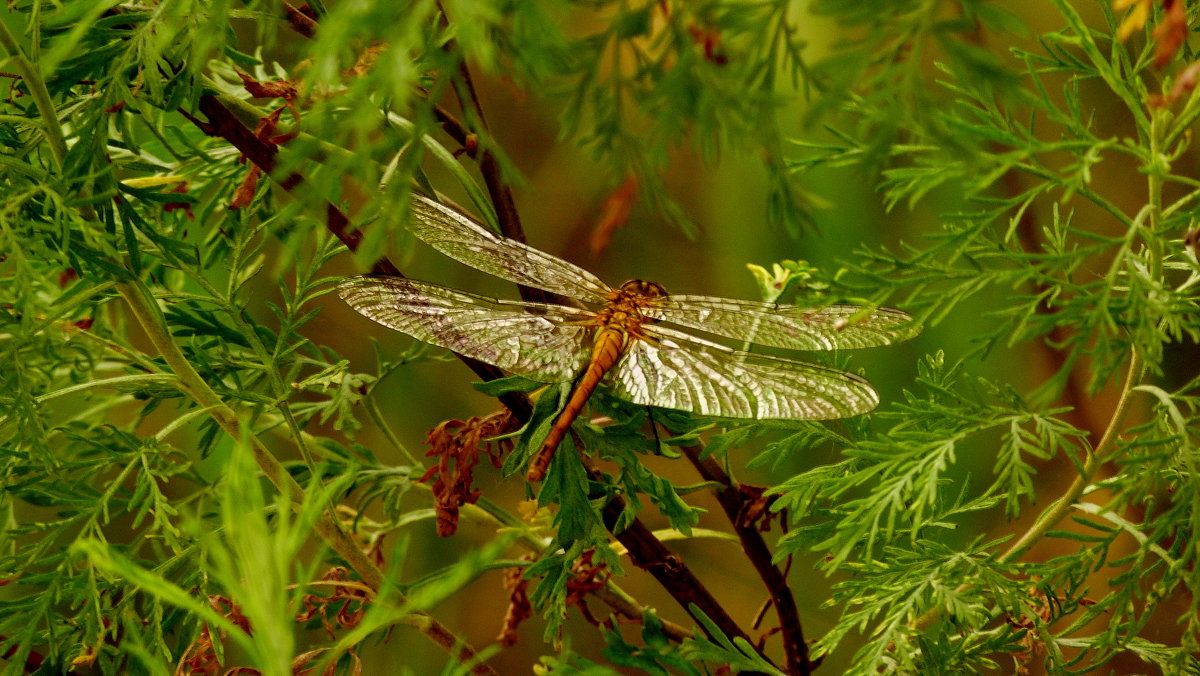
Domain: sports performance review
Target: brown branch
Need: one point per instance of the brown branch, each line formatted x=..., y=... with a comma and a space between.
x=299, y=21
x=735, y=503
x=458, y=131
x=224, y=124
x=489, y=167
x=478, y=144
x=630, y=610
x=651, y=555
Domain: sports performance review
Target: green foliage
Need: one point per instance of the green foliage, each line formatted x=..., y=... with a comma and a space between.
x=1105, y=293
x=655, y=655
x=190, y=449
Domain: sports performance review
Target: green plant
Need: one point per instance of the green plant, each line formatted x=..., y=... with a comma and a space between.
x=194, y=475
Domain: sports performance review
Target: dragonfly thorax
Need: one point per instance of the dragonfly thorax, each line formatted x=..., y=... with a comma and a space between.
x=626, y=304
x=632, y=296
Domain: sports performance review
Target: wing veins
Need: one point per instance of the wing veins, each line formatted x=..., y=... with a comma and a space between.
x=788, y=326
x=547, y=343
x=689, y=373
x=462, y=239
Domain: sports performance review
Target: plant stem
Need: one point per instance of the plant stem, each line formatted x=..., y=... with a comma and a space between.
x=1063, y=505
x=611, y=594
x=117, y=381
x=1092, y=462
x=41, y=96
x=647, y=552
x=734, y=503
x=388, y=433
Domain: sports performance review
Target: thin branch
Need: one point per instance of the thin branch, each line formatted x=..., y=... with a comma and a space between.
x=299, y=21
x=1063, y=505
x=735, y=502
x=651, y=555
x=506, y=211
x=41, y=96
x=478, y=144
x=222, y=123
x=611, y=594
x=489, y=168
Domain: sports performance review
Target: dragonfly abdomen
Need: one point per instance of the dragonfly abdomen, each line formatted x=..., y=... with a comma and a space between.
x=610, y=343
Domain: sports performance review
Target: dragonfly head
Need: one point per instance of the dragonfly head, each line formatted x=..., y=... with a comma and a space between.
x=644, y=289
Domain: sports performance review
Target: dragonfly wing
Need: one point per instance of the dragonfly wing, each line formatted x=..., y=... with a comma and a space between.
x=834, y=327
x=691, y=374
x=531, y=339
x=465, y=240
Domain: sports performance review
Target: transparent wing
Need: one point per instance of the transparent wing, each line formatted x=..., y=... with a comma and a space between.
x=835, y=327
x=690, y=374
x=465, y=240
x=530, y=339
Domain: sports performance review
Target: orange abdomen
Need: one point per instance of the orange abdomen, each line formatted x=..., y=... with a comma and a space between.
x=610, y=343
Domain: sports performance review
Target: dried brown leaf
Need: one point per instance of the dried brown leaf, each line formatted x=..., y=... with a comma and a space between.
x=1170, y=34
x=456, y=445
x=614, y=213
x=519, y=606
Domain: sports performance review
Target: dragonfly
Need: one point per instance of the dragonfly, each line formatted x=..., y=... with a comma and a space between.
x=636, y=340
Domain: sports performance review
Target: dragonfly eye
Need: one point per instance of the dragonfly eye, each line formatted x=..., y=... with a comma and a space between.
x=641, y=287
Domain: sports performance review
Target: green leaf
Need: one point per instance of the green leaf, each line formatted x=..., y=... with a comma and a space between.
x=501, y=386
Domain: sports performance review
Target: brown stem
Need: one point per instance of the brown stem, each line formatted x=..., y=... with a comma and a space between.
x=224, y=124
x=489, y=168
x=498, y=190
x=299, y=21
x=479, y=144
x=735, y=504
x=651, y=555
